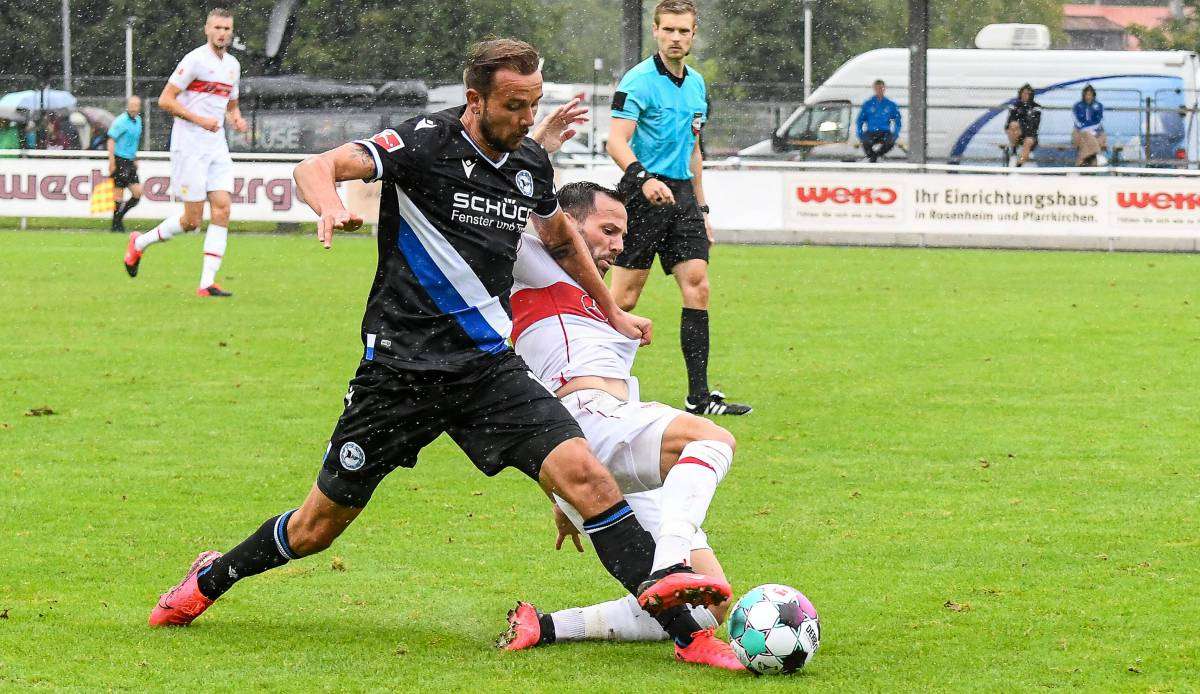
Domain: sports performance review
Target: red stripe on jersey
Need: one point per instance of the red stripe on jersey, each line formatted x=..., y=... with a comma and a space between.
x=532, y=305
x=218, y=88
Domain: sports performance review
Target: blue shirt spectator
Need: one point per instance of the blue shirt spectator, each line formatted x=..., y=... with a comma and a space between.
x=1088, y=116
x=879, y=114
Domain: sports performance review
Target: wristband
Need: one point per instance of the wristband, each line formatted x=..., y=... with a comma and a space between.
x=638, y=171
x=704, y=209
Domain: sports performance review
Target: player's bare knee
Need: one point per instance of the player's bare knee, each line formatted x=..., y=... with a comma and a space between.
x=580, y=478
x=626, y=299
x=188, y=223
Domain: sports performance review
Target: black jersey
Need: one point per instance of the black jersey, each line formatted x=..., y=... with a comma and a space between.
x=450, y=220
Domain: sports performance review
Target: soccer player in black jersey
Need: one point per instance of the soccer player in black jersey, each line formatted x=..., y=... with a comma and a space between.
x=458, y=188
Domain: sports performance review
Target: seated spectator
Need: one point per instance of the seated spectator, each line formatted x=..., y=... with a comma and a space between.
x=1089, y=137
x=878, y=124
x=10, y=136
x=1024, y=119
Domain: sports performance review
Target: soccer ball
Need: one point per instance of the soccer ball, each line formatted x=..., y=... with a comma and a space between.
x=774, y=629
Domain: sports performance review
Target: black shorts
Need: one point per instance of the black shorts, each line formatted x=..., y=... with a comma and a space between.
x=500, y=417
x=674, y=232
x=126, y=173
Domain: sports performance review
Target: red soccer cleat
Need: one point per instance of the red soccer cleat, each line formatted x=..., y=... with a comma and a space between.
x=183, y=603
x=212, y=290
x=680, y=586
x=707, y=649
x=524, y=629
x=133, y=257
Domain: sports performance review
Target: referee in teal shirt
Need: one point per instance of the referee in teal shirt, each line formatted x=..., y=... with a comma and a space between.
x=124, y=136
x=658, y=110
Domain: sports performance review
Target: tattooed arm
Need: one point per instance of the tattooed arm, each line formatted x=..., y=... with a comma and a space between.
x=316, y=179
x=568, y=249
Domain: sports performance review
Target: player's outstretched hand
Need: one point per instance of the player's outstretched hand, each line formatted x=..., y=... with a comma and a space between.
x=633, y=327
x=557, y=127
x=565, y=528
x=341, y=219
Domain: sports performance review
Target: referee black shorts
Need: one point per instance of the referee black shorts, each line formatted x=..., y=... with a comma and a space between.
x=126, y=173
x=500, y=417
x=674, y=233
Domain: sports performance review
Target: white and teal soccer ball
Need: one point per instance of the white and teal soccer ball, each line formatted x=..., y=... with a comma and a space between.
x=774, y=629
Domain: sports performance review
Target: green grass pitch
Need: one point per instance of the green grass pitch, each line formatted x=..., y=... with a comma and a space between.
x=980, y=466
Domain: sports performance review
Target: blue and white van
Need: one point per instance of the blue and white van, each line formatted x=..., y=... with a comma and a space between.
x=1150, y=100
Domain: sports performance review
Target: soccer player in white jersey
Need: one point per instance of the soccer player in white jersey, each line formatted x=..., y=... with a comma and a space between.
x=667, y=462
x=202, y=95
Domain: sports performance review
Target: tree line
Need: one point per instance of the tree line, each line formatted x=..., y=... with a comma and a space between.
x=759, y=41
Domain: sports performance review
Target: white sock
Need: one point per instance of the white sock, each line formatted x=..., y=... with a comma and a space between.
x=214, y=250
x=163, y=232
x=616, y=620
x=686, y=493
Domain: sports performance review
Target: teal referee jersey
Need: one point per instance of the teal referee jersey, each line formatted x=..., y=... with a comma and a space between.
x=669, y=110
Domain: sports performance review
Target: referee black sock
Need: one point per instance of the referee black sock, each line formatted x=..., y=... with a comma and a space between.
x=679, y=623
x=266, y=549
x=623, y=545
x=122, y=209
x=693, y=338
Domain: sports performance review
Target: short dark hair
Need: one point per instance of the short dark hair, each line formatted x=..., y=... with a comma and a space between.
x=878, y=83
x=220, y=12
x=675, y=7
x=1021, y=91
x=578, y=199
x=1087, y=88
x=487, y=57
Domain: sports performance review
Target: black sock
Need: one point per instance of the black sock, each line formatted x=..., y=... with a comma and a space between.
x=546, y=622
x=693, y=338
x=117, y=212
x=623, y=545
x=266, y=549
x=125, y=207
x=679, y=623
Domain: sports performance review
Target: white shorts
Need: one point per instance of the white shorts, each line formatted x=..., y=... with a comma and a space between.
x=194, y=173
x=626, y=436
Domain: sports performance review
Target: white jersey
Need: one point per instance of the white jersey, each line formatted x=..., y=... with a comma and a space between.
x=207, y=84
x=558, y=329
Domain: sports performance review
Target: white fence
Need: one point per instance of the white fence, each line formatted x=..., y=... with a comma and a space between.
x=903, y=204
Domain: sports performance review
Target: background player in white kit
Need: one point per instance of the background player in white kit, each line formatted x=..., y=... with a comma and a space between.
x=667, y=462
x=202, y=94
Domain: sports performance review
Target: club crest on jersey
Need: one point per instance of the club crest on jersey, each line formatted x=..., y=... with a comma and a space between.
x=590, y=308
x=352, y=456
x=425, y=123
x=697, y=123
x=525, y=183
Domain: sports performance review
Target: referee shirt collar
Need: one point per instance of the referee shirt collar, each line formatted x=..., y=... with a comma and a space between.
x=662, y=70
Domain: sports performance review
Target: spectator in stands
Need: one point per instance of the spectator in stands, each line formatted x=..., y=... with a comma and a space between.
x=878, y=124
x=1089, y=138
x=1024, y=119
x=55, y=136
x=10, y=135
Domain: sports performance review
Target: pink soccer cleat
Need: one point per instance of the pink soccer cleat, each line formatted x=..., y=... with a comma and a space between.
x=677, y=585
x=133, y=257
x=183, y=603
x=524, y=629
x=707, y=649
x=212, y=290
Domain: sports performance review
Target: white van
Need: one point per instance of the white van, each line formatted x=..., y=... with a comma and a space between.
x=1149, y=98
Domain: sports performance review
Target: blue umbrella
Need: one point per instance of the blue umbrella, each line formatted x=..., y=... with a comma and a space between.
x=31, y=100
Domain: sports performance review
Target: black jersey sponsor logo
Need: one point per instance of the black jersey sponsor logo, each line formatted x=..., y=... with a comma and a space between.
x=480, y=210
